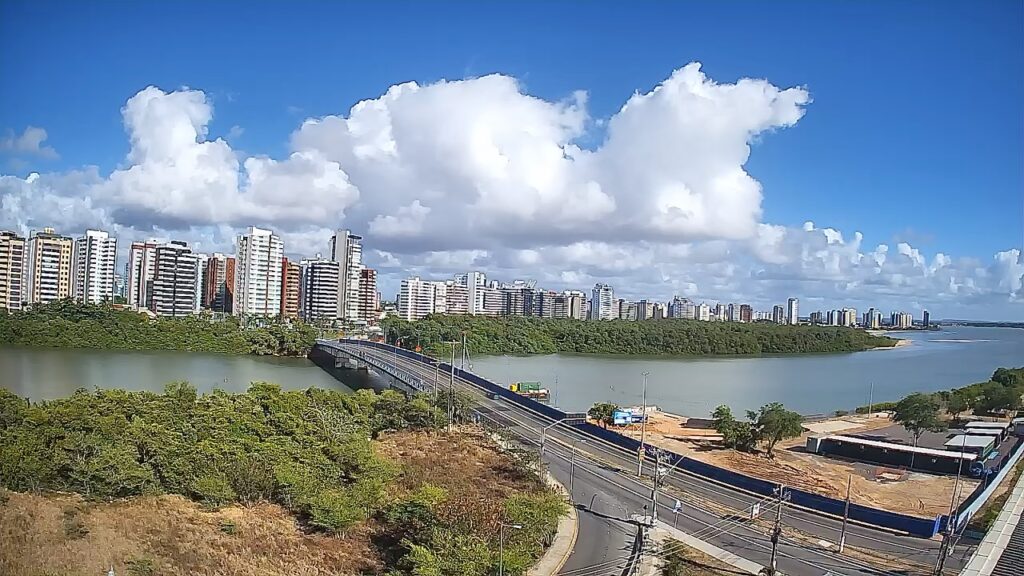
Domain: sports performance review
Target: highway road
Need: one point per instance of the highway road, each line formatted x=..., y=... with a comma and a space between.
x=607, y=491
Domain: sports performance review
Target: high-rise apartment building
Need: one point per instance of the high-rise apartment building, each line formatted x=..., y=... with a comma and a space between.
x=347, y=251
x=201, y=260
x=779, y=315
x=48, y=257
x=792, y=311
x=577, y=302
x=817, y=318
x=290, y=276
x=704, y=312
x=848, y=317
x=12, y=270
x=456, y=298
x=602, y=303
x=494, y=301
x=746, y=313
x=319, y=289
x=258, y=257
x=92, y=267
x=872, y=319
x=219, y=283
x=926, y=319
x=141, y=259
x=174, y=279
x=416, y=299
x=901, y=320
x=369, y=301
x=475, y=284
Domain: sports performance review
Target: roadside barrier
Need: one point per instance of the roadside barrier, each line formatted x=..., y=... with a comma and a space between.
x=914, y=525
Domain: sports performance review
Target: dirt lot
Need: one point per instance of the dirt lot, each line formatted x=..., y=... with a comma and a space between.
x=886, y=488
x=169, y=535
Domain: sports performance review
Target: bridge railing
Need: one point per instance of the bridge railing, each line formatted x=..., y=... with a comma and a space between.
x=914, y=525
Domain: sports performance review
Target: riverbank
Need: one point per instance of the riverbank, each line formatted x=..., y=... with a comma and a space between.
x=66, y=324
x=667, y=337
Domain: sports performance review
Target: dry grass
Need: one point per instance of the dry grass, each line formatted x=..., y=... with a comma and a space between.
x=63, y=534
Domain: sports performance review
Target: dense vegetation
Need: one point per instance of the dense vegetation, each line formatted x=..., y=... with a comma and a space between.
x=519, y=335
x=67, y=324
x=311, y=452
x=767, y=426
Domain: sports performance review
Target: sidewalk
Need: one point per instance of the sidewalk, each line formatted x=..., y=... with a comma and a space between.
x=565, y=539
x=663, y=532
x=997, y=539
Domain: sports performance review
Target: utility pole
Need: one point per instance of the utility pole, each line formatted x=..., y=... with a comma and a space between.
x=777, y=531
x=436, y=368
x=846, y=514
x=654, y=490
x=451, y=389
x=871, y=394
x=462, y=363
x=947, y=537
x=643, y=431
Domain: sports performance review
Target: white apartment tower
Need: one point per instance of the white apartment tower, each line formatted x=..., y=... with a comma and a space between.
x=347, y=251
x=92, y=269
x=12, y=270
x=602, y=303
x=476, y=283
x=47, y=267
x=792, y=311
x=258, y=255
x=416, y=299
x=318, y=289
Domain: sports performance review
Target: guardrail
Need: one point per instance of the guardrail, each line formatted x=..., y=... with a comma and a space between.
x=914, y=525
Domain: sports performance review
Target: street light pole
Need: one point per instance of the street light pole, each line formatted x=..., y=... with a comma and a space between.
x=451, y=388
x=501, y=544
x=643, y=430
x=846, y=514
x=947, y=538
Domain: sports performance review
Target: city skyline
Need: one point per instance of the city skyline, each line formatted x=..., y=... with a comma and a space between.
x=711, y=171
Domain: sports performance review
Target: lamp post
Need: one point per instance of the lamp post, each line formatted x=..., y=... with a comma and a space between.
x=501, y=544
x=544, y=434
x=572, y=468
x=643, y=430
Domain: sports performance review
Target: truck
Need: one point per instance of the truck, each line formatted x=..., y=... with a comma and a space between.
x=530, y=390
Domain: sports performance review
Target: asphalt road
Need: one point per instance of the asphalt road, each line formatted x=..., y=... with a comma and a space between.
x=607, y=492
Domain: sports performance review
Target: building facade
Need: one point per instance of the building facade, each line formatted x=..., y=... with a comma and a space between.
x=219, y=283
x=779, y=315
x=792, y=311
x=12, y=270
x=347, y=251
x=47, y=276
x=290, y=278
x=173, y=289
x=416, y=299
x=369, y=298
x=319, y=280
x=92, y=268
x=602, y=303
x=258, y=257
x=141, y=259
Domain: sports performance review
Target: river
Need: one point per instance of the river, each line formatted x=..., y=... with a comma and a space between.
x=809, y=384
x=48, y=373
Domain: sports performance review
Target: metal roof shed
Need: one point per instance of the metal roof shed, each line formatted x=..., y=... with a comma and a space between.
x=974, y=444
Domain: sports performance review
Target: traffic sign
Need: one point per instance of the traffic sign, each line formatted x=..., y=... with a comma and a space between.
x=755, y=510
x=575, y=418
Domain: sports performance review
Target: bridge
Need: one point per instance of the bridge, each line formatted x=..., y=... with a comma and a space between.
x=608, y=493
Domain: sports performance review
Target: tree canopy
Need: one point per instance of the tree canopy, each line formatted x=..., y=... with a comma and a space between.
x=310, y=451
x=526, y=335
x=602, y=412
x=773, y=423
x=68, y=324
x=918, y=413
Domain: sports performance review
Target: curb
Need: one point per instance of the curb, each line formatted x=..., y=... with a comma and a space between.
x=564, y=542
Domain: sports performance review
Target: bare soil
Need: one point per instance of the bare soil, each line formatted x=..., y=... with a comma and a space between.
x=170, y=535
x=877, y=486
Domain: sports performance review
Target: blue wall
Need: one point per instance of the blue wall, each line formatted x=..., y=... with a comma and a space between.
x=923, y=527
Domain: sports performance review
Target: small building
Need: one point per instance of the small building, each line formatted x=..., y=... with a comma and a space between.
x=891, y=454
x=1002, y=427
x=979, y=445
x=987, y=432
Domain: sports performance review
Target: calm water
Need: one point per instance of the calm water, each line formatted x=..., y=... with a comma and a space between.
x=47, y=373
x=808, y=384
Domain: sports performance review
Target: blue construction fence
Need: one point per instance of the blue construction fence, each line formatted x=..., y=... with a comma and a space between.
x=914, y=525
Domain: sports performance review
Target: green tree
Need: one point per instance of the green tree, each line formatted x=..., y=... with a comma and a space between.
x=959, y=402
x=918, y=413
x=996, y=396
x=773, y=423
x=736, y=434
x=603, y=413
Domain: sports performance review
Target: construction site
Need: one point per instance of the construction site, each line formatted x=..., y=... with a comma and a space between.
x=887, y=488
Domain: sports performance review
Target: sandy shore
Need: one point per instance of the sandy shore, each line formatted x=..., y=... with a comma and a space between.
x=900, y=343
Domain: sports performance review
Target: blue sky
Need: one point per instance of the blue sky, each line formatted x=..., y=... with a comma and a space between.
x=915, y=132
